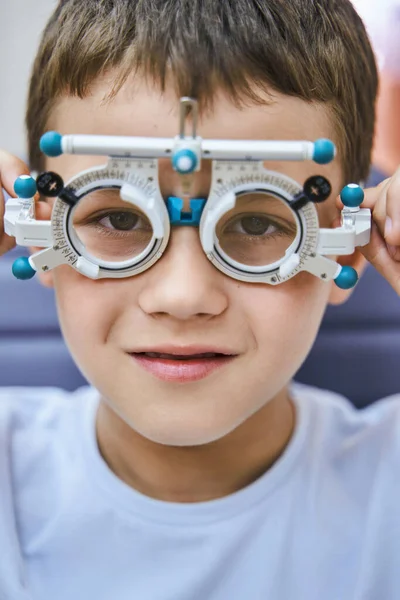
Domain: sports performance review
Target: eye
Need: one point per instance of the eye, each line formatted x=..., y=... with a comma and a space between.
x=254, y=225
x=121, y=221
x=257, y=225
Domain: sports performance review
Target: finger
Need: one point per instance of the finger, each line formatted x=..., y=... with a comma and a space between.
x=11, y=168
x=381, y=257
x=379, y=210
x=376, y=200
x=43, y=210
x=371, y=195
x=392, y=221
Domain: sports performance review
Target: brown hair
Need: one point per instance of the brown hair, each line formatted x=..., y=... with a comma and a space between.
x=316, y=50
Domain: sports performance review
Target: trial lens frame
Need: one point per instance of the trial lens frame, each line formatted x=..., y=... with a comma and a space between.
x=237, y=169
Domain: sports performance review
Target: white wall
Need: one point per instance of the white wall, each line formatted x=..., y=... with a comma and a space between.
x=21, y=23
x=382, y=19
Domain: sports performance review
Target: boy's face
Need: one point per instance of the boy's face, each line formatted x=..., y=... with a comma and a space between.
x=183, y=300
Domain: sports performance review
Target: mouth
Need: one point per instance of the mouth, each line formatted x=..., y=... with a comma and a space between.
x=167, y=356
x=182, y=368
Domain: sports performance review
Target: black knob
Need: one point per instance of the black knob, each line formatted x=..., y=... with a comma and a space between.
x=317, y=188
x=49, y=184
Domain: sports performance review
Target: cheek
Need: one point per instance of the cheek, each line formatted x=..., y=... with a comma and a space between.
x=86, y=309
x=285, y=318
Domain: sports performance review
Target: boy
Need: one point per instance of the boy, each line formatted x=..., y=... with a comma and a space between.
x=238, y=484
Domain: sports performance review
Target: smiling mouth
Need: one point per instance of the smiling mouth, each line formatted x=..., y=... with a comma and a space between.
x=158, y=355
x=181, y=368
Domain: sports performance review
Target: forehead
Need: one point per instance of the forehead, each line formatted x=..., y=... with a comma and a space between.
x=140, y=109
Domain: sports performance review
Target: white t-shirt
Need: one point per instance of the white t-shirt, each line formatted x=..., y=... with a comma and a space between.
x=322, y=524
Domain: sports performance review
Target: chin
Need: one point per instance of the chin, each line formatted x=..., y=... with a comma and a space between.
x=180, y=432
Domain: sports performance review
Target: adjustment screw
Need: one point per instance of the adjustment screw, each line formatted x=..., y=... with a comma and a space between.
x=347, y=278
x=352, y=195
x=22, y=269
x=49, y=184
x=25, y=187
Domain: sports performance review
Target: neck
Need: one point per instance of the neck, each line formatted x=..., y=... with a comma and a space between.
x=197, y=473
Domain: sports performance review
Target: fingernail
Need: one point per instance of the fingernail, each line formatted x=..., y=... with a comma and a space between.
x=388, y=226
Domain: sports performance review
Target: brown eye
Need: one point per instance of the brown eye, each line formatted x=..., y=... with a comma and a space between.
x=123, y=221
x=255, y=225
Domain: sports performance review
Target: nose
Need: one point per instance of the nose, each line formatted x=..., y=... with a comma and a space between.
x=183, y=283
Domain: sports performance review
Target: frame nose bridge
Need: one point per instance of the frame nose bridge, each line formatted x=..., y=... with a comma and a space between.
x=180, y=217
x=194, y=186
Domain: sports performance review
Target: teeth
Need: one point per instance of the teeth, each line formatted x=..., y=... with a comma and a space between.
x=180, y=357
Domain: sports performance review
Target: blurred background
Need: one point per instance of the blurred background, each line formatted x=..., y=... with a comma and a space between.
x=357, y=352
x=21, y=24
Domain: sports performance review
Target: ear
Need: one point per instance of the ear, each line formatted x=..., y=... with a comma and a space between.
x=43, y=211
x=359, y=263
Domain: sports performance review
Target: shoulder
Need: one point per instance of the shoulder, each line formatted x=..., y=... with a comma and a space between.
x=36, y=424
x=38, y=431
x=348, y=486
x=353, y=441
x=23, y=408
x=337, y=417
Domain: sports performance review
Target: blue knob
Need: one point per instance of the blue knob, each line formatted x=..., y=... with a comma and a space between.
x=352, y=195
x=25, y=187
x=347, y=278
x=50, y=144
x=22, y=269
x=184, y=161
x=324, y=151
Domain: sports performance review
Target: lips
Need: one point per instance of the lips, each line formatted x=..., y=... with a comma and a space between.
x=183, y=352
x=182, y=364
x=181, y=356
